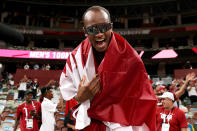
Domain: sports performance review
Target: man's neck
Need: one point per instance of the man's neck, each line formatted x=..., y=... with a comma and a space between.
x=48, y=97
x=98, y=56
x=28, y=102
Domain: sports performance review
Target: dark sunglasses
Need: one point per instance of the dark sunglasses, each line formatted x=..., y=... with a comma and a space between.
x=98, y=28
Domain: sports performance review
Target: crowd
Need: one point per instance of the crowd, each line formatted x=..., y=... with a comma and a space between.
x=37, y=67
x=176, y=104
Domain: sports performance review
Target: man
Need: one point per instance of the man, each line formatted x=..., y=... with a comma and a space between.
x=169, y=117
x=192, y=91
x=22, y=88
x=107, y=77
x=28, y=113
x=48, y=109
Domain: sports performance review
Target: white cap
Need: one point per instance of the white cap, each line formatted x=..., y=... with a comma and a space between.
x=167, y=95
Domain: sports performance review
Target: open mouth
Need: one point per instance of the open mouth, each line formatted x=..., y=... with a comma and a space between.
x=100, y=43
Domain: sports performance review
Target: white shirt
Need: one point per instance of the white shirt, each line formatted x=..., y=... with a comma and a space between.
x=192, y=92
x=22, y=86
x=48, y=120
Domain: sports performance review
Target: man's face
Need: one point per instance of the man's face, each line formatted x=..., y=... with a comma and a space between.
x=29, y=97
x=99, y=41
x=167, y=103
x=50, y=93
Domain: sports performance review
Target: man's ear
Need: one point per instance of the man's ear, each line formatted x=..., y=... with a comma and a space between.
x=86, y=35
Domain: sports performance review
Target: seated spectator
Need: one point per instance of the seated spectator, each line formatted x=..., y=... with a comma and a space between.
x=36, y=67
x=48, y=67
x=43, y=67
x=26, y=67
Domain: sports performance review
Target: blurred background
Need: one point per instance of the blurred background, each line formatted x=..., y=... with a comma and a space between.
x=148, y=25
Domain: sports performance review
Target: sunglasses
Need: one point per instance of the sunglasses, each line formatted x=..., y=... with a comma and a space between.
x=98, y=28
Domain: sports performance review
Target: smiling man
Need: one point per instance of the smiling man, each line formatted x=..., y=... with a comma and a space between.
x=107, y=77
x=169, y=117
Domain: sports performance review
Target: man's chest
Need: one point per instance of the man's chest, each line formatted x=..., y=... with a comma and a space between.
x=167, y=117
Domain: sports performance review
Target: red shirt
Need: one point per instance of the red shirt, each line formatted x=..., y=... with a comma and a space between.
x=177, y=121
x=22, y=115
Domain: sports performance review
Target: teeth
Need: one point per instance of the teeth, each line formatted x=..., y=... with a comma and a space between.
x=100, y=40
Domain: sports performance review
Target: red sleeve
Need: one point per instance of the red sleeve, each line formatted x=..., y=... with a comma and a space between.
x=182, y=119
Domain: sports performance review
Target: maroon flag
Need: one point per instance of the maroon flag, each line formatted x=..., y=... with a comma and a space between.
x=126, y=96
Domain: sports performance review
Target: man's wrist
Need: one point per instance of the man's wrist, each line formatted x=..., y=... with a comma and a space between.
x=76, y=98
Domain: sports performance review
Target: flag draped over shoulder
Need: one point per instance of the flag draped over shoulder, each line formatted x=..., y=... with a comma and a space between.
x=126, y=96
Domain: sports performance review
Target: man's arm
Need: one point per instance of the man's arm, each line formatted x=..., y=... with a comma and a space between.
x=60, y=103
x=71, y=126
x=181, y=91
x=16, y=123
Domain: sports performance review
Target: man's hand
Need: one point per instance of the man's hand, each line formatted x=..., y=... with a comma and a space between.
x=89, y=90
x=60, y=104
x=190, y=76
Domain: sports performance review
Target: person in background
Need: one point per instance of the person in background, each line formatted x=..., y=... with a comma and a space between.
x=36, y=67
x=26, y=66
x=43, y=67
x=35, y=86
x=28, y=114
x=48, y=67
x=170, y=117
x=192, y=91
x=48, y=110
x=29, y=83
x=69, y=121
x=185, y=110
x=22, y=87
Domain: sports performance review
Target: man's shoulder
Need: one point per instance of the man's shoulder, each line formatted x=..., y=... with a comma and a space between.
x=21, y=105
x=178, y=110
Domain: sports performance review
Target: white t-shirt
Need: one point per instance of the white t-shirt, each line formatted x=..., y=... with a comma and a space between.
x=48, y=120
x=23, y=86
x=192, y=92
